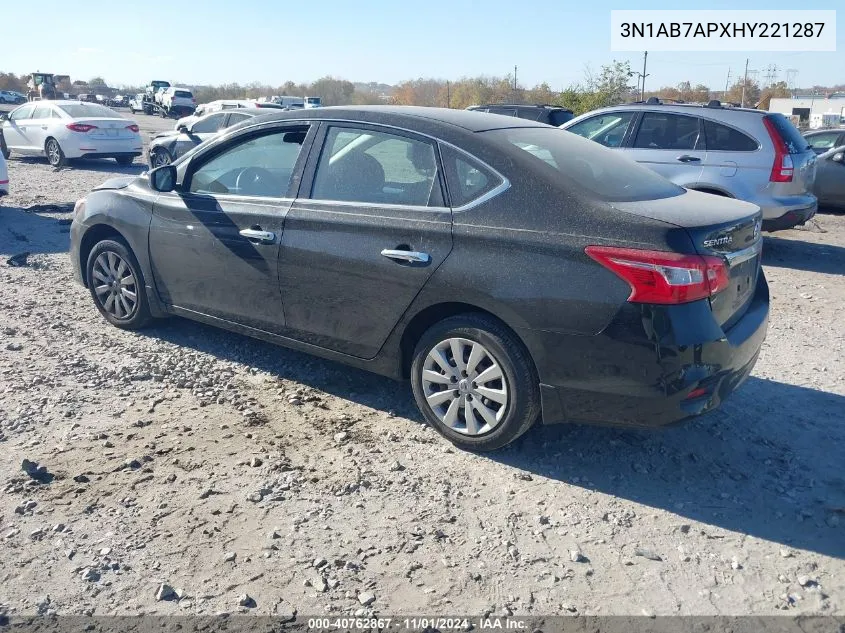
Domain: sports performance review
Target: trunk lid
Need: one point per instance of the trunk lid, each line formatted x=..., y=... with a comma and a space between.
x=117, y=128
x=720, y=227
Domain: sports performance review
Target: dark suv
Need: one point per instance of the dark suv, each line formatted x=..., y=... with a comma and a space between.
x=550, y=115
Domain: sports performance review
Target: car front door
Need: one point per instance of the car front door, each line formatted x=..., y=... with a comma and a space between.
x=15, y=129
x=670, y=144
x=829, y=185
x=358, y=249
x=214, y=241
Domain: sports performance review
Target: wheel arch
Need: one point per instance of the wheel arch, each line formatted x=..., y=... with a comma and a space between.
x=434, y=313
x=713, y=190
x=92, y=236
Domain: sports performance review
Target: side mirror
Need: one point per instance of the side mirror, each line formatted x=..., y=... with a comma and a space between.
x=838, y=157
x=163, y=179
x=182, y=128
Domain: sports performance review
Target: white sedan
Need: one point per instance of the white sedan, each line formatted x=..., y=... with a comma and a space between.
x=71, y=129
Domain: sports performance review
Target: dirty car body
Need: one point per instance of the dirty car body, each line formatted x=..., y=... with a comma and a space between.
x=635, y=301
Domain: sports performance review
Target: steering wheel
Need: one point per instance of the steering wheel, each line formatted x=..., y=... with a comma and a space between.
x=254, y=180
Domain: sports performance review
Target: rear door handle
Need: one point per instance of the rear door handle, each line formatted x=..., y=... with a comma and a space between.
x=257, y=235
x=412, y=257
x=43, y=127
x=686, y=158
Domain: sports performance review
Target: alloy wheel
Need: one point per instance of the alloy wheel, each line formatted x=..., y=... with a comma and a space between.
x=115, y=286
x=465, y=386
x=161, y=158
x=54, y=153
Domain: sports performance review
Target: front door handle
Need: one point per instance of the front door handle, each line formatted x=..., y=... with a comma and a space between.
x=257, y=235
x=686, y=158
x=411, y=257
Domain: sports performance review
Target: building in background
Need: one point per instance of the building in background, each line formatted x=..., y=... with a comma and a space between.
x=813, y=111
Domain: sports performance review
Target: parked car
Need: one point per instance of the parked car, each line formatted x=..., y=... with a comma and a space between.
x=136, y=103
x=750, y=155
x=62, y=130
x=506, y=268
x=551, y=115
x=822, y=141
x=223, y=104
x=119, y=101
x=166, y=147
x=175, y=97
x=7, y=96
x=829, y=186
x=4, y=171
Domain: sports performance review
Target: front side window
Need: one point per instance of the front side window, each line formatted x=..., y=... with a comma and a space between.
x=209, y=125
x=663, y=130
x=22, y=113
x=606, y=129
x=375, y=167
x=257, y=166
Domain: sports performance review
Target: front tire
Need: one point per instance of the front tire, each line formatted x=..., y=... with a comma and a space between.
x=55, y=155
x=160, y=157
x=475, y=382
x=117, y=285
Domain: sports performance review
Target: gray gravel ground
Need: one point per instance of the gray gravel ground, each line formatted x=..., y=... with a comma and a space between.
x=184, y=469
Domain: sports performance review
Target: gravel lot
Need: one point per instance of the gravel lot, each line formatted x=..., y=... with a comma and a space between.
x=189, y=470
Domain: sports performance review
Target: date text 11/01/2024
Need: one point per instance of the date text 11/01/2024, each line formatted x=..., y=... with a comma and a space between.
x=417, y=624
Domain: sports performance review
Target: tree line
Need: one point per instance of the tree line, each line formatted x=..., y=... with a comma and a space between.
x=613, y=84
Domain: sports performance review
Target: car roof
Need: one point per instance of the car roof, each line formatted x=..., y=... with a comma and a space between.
x=408, y=116
x=543, y=106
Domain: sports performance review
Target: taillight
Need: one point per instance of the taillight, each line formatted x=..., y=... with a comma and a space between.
x=81, y=127
x=661, y=277
x=783, y=169
x=132, y=128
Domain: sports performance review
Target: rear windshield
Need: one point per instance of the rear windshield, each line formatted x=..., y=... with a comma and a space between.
x=796, y=143
x=85, y=110
x=585, y=165
x=182, y=94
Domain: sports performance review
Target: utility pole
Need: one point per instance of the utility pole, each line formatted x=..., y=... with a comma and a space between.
x=744, y=83
x=448, y=95
x=642, y=91
x=727, y=82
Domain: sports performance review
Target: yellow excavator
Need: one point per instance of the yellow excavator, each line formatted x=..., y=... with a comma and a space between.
x=41, y=86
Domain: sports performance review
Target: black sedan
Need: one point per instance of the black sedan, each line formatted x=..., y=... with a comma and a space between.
x=829, y=185
x=165, y=147
x=511, y=271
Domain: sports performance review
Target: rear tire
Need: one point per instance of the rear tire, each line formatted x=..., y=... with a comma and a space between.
x=55, y=155
x=475, y=415
x=117, y=285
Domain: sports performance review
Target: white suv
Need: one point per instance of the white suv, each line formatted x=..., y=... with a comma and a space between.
x=175, y=97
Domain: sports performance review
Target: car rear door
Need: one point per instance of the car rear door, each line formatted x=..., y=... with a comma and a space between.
x=731, y=160
x=214, y=241
x=369, y=229
x=670, y=144
x=39, y=126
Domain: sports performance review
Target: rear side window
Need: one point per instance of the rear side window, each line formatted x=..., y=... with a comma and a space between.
x=503, y=111
x=721, y=138
x=662, y=130
x=376, y=167
x=559, y=117
x=466, y=177
x=573, y=163
x=795, y=143
x=532, y=114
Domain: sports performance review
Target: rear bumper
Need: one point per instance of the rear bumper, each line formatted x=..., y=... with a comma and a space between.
x=647, y=368
x=791, y=218
x=82, y=146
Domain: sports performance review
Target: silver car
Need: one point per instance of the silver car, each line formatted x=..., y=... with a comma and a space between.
x=741, y=153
